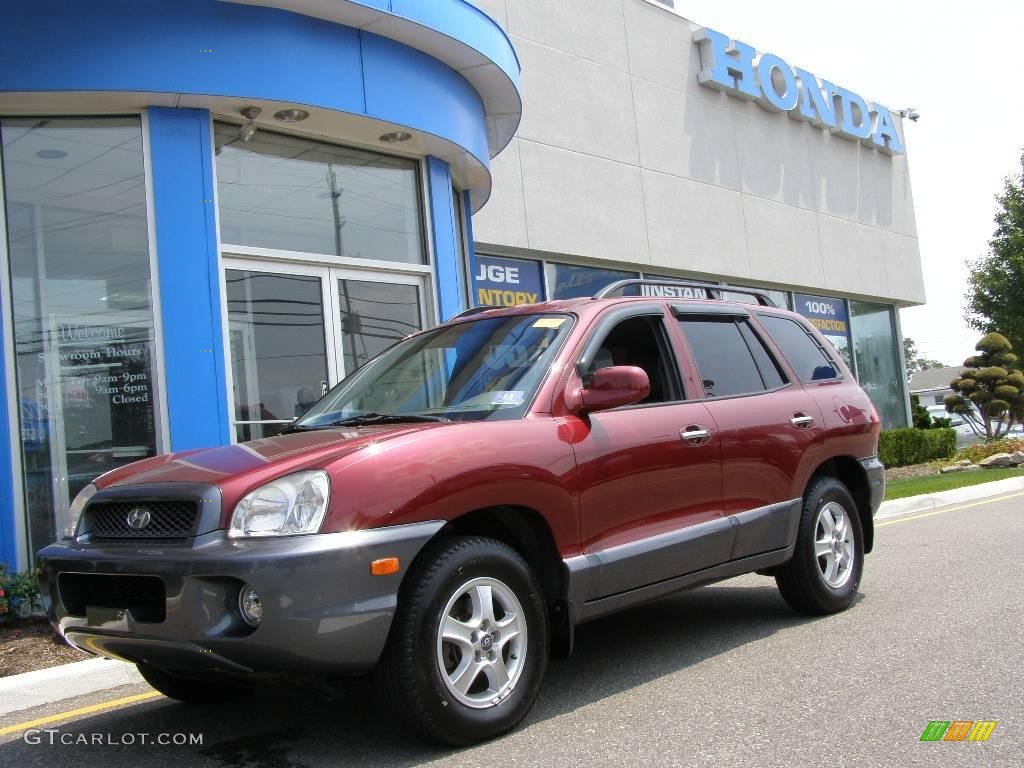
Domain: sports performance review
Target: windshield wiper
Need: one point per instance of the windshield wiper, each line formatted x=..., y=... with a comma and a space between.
x=380, y=418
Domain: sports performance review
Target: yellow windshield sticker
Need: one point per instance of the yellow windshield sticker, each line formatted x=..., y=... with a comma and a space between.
x=549, y=322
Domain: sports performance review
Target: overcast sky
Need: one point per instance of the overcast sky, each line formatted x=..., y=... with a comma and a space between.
x=960, y=65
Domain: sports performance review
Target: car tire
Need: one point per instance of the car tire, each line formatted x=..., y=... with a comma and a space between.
x=468, y=646
x=824, y=573
x=189, y=689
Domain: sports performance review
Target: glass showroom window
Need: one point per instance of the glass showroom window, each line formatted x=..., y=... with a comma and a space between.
x=781, y=298
x=287, y=193
x=878, y=363
x=83, y=320
x=569, y=281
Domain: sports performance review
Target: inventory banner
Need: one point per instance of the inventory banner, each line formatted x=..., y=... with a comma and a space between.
x=502, y=282
x=828, y=314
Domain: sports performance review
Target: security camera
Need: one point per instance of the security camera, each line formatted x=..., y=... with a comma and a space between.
x=248, y=130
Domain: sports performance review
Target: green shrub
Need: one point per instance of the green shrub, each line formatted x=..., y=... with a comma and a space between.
x=902, y=447
x=979, y=451
x=919, y=414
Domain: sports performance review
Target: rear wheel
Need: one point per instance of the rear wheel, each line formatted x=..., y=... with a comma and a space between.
x=825, y=571
x=468, y=646
x=191, y=690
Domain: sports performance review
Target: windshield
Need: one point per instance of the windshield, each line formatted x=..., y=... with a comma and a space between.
x=484, y=369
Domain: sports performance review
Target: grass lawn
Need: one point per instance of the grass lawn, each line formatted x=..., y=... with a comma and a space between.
x=914, y=486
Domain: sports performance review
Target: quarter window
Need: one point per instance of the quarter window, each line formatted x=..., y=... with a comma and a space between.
x=731, y=358
x=804, y=353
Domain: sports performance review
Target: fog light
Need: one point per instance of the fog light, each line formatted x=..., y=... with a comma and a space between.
x=250, y=606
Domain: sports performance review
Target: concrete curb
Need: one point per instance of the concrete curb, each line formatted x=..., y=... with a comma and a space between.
x=46, y=686
x=928, y=501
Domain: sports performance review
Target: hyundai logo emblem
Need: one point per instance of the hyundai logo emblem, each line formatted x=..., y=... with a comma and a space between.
x=138, y=518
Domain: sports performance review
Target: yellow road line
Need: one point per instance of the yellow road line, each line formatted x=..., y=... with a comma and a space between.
x=81, y=711
x=943, y=510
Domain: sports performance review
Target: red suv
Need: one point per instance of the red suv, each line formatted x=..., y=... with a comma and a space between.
x=449, y=513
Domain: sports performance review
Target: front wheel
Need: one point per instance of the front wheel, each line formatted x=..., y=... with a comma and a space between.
x=824, y=573
x=468, y=646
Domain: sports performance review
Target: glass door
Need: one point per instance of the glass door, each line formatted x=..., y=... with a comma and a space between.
x=281, y=353
x=374, y=315
x=296, y=330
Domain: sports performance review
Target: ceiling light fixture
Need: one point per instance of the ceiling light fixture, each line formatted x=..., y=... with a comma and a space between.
x=51, y=154
x=291, y=115
x=248, y=130
x=395, y=137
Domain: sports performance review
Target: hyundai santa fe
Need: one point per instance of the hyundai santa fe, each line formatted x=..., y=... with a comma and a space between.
x=447, y=515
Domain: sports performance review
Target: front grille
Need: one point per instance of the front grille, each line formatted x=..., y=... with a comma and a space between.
x=163, y=520
x=143, y=596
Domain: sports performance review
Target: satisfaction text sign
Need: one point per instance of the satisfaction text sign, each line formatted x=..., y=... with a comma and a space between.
x=828, y=314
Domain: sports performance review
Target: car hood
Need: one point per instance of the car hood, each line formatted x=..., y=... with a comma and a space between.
x=257, y=461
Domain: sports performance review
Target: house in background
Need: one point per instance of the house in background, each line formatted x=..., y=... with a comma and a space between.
x=932, y=385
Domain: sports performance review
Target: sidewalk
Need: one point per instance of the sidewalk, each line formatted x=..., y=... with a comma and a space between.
x=46, y=686
x=946, y=498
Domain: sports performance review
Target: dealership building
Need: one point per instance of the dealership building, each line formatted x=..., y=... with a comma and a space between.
x=212, y=210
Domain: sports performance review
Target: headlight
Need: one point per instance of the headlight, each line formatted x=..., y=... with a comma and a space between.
x=291, y=504
x=77, y=507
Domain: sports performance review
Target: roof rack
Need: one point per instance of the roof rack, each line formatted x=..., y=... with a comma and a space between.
x=762, y=298
x=470, y=311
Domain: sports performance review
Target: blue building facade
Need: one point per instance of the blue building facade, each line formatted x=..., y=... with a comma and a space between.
x=213, y=210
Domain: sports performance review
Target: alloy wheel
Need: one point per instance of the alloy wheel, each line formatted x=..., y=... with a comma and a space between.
x=482, y=642
x=833, y=544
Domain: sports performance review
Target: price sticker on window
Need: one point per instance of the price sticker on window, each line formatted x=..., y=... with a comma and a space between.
x=549, y=322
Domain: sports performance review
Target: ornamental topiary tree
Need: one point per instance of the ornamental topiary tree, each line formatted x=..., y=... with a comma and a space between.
x=989, y=393
x=919, y=414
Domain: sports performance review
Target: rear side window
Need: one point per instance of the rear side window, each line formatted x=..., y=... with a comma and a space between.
x=731, y=358
x=801, y=349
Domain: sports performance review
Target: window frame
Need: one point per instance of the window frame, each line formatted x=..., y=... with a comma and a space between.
x=608, y=322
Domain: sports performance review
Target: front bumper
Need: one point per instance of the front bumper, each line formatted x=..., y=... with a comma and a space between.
x=323, y=611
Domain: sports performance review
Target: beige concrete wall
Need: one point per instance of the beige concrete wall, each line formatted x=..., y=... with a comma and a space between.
x=623, y=156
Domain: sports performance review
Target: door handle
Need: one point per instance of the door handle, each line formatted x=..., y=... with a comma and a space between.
x=802, y=421
x=695, y=434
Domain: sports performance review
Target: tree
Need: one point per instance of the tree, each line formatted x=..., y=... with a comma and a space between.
x=919, y=414
x=995, y=294
x=989, y=393
x=914, y=360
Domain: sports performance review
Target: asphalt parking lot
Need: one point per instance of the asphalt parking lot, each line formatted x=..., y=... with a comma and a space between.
x=725, y=675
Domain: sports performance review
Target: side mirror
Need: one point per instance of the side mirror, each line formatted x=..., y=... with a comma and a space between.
x=615, y=386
